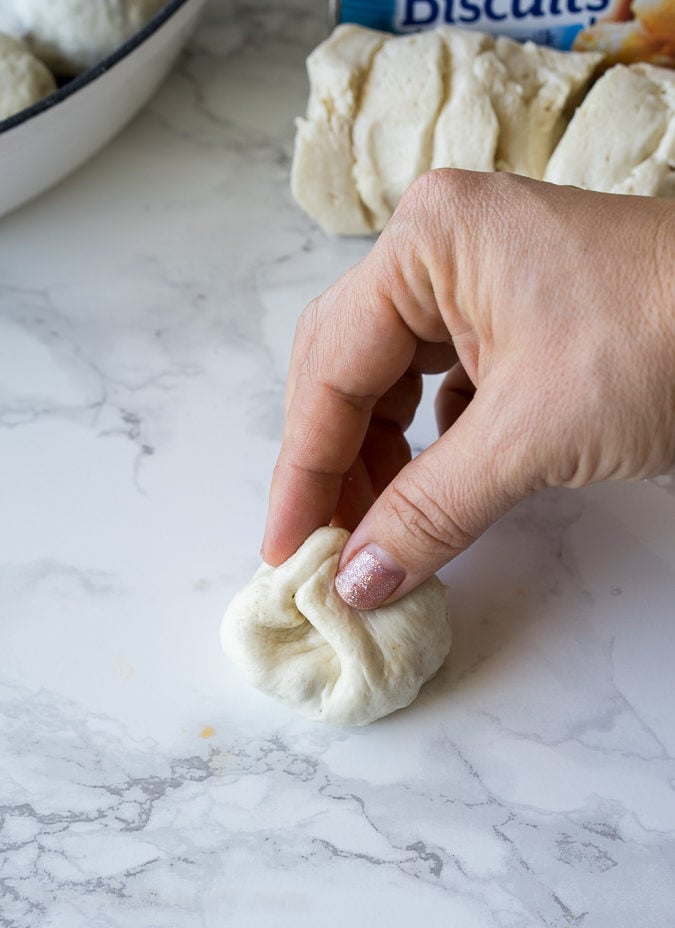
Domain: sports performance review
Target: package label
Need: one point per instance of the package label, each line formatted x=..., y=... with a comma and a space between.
x=624, y=30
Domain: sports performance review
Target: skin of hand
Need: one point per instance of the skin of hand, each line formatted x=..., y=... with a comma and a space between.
x=552, y=310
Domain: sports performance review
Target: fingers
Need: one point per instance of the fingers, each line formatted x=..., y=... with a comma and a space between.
x=352, y=346
x=434, y=357
x=477, y=257
x=454, y=395
x=385, y=450
x=341, y=366
x=439, y=503
x=356, y=496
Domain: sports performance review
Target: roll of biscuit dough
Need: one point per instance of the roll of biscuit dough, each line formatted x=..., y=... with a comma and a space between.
x=383, y=110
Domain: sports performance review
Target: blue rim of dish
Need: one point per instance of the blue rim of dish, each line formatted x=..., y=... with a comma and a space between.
x=86, y=77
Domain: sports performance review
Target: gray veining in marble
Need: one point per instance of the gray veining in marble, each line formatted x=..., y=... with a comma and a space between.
x=147, y=307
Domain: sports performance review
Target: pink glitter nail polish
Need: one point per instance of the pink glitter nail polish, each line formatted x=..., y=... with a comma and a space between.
x=369, y=578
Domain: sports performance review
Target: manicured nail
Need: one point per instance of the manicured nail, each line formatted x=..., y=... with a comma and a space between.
x=369, y=578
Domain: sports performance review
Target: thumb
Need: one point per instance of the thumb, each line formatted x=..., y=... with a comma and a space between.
x=440, y=502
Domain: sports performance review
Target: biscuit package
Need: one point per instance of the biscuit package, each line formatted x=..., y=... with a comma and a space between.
x=624, y=31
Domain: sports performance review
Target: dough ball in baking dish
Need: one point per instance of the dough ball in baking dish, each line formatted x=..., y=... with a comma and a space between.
x=73, y=35
x=23, y=79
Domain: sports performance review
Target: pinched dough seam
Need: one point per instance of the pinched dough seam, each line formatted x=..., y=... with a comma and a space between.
x=374, y=669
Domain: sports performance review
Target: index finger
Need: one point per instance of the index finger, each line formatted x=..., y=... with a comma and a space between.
x=351, y=346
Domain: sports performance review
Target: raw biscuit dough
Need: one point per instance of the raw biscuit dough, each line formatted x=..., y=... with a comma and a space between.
x=322, y=175
x=533, y=91
x=73, y=35
x=394, y=125
x=23, y=79
x=467, y=129
x=383, y=110
x=295, y=639
x=622, y=137
x=507, y=103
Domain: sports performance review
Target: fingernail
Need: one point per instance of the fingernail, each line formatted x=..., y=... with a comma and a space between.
x=369, y=578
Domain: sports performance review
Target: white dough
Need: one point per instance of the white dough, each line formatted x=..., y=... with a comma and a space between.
x=295, y=639
x=622, y=137
x=73, y=35
x=506, y=104
x=394, y=125
x=322, y=175
x=467, y=128
x=23, y=79
x=533, y=91
x=383, y=110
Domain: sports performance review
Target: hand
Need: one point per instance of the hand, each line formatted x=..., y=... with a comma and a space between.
x=553, y=311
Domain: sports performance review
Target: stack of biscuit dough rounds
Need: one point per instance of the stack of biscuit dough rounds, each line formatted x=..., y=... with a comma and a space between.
x=42, y=40
x=382, y=110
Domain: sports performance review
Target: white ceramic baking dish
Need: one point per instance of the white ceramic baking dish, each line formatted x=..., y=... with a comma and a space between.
x=42, y=144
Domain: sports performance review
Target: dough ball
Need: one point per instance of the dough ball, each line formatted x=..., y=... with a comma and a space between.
x=622, y=137
x=23, y=79
x=73, y=35
x=295, y=639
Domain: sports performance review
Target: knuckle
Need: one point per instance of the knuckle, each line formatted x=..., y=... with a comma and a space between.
x=426, y=193
x=309, y=319
x=425, y=515
x=306, y=328
x=439, y=208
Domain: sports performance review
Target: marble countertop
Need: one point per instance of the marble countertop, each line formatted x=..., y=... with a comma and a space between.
x=146, y=311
